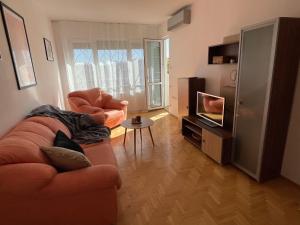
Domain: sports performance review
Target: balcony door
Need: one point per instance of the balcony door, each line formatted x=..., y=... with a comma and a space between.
x=154, y=73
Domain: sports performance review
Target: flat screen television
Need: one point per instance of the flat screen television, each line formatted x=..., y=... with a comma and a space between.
x=210, y=108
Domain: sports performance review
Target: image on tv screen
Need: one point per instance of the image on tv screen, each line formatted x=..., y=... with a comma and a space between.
x=210, y=107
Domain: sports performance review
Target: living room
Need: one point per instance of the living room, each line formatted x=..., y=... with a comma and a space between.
x=153, y=61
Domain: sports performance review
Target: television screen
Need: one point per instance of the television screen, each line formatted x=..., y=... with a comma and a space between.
x=210, y=107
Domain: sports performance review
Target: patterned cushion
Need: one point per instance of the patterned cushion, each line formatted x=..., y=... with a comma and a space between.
x=65, y=159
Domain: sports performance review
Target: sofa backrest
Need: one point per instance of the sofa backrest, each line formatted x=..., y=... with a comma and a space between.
x=92, y=97
x=22, y=143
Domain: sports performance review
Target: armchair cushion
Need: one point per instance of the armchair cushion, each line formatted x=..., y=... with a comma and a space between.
x=103, y=99
x=114, y=116
x=79, y=101
x=89, y=109
x=62, y=140
x=66, y=159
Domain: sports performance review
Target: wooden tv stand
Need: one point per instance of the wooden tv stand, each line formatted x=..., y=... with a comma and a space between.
x=215, y=142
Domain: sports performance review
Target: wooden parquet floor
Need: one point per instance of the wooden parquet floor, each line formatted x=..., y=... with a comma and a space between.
x=176, y=184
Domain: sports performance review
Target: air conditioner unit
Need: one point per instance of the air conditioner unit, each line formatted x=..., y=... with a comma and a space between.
x=181, y=17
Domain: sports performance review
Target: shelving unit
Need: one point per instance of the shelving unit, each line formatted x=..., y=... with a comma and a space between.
x=215, y=142
x=268, y=73
x=227, y=51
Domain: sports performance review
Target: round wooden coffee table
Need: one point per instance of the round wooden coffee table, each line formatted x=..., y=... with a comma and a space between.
x=146, y=123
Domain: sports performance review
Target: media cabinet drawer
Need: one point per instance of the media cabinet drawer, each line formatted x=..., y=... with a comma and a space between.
x=212, y=145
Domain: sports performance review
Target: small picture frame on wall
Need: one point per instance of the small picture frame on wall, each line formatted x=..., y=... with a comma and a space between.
x=48, y=49
x=17, y=39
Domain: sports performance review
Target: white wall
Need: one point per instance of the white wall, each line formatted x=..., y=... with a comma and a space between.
x=291, y=162
x=15, y=104
x=211, y=21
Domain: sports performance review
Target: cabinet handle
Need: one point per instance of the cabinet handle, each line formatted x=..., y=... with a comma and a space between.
x=203, y=141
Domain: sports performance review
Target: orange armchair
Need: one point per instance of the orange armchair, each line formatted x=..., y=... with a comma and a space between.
x=100, y=105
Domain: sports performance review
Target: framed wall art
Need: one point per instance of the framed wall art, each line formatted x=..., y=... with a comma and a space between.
x=17, y=39
x=48, y=49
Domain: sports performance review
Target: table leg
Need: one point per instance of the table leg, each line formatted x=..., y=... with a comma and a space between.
x=151, y=135
x=125, y=136
x=141, y=136
x=134, y=131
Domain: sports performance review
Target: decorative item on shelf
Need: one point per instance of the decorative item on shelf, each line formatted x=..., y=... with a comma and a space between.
x=17, y=39
x=232, y=61
x=136, y=120
x=218, y=59
x=223, y=59
x=48, y=50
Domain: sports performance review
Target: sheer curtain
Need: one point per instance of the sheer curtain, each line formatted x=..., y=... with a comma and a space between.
x=109, y=56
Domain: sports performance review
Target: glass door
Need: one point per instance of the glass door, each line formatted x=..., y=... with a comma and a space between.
x=154, y=73
x=255, y=74
x=166, y=71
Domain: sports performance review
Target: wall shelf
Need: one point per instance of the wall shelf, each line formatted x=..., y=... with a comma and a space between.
x=229, y=52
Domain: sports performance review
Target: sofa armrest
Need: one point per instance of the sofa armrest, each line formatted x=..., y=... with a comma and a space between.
x=25, y=178
x=84, y=180
x=116, y=104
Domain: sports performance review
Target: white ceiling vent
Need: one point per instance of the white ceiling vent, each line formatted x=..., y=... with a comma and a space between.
x=179, y=18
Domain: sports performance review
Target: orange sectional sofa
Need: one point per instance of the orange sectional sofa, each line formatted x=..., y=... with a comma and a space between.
x=102, y=106
x=32, y=192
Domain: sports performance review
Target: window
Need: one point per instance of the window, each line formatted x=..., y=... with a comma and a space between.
x=83, y=55
x=83, y=69
x=113, y=55
x=117, y=71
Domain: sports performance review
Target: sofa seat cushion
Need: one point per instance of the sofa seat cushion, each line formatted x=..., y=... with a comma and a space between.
x=113, y=117
x=100, y=153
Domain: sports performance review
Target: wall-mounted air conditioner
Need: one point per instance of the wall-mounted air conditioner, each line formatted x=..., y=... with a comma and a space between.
x=179, y=18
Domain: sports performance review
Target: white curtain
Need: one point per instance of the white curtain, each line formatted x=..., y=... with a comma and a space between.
x=109, y=56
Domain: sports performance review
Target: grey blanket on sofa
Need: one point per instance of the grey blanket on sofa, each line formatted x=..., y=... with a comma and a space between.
x=83, y=128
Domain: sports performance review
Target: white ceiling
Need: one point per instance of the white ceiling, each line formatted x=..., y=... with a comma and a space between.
x=117, y=11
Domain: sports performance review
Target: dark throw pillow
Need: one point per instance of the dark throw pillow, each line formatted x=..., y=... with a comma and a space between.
x=63, y=141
